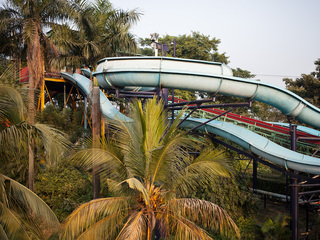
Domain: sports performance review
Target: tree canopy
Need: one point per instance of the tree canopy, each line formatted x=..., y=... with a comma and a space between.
x=97, y=31
x=151, y=175
x=307, y=86
x=193, y=46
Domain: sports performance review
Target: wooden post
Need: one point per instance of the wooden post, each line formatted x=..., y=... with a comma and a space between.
x=96, y=129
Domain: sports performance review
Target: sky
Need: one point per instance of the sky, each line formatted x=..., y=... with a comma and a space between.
x=271, y=38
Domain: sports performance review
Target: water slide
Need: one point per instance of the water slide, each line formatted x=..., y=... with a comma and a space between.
x=210, y=77
x=275, y=127
x=196, y=75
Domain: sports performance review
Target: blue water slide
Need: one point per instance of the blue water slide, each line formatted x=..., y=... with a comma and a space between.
x=85, y=85
x=204, y=76
x=299, y=128
x=245, y=138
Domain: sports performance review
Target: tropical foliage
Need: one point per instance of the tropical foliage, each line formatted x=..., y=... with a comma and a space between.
x=97, y=31
x=26, y=20
x=23, y=215
x=150, y=173
x=278, y=228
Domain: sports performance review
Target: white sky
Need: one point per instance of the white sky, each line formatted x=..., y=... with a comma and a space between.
x=266, y=37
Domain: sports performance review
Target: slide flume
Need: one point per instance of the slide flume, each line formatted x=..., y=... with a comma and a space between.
x=245, y=138
x=204, y=76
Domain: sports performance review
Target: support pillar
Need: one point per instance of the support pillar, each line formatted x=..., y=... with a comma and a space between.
x=42, y=100
x=85, y=121
x=255, y=175
x=96, y=129
x=172, y=101
x=294, y=203
x=165, y=96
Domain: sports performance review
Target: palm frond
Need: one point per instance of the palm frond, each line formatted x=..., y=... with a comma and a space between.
x=11, y=106
x=137, y=185
x=110, y=162
x=206, y=214
x=54, y=141
x=201, y=171
x=135, y=227
x=21, y=210
x=12, y=225
x=92, y=212
x=3, y=234
x=182, y=228
x=30, y=200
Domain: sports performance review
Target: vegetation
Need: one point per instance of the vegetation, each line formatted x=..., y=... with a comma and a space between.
x=23, y=215
x=307, y=86
x=150, y=173
x=101, y=31
x=64, y=187
x=277, y=229
x=156, y=190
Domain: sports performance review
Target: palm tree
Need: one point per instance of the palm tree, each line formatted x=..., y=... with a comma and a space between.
x=28, y=19
x=16, y=132
x=23, y=215
x=150, y=174
x=277, y=229
x=97, y=31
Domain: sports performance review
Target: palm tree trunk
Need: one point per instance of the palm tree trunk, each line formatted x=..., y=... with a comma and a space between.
x=31, y=164
x=96, y=121
x=35, y=65
x=31, y=115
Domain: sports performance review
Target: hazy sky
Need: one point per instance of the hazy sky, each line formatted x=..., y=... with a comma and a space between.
x=270, y=38
x=266, y=37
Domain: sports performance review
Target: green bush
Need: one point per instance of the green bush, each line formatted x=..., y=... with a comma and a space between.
x=249, y=229
x=229, y=194
x=64, y=188
x=67, y=120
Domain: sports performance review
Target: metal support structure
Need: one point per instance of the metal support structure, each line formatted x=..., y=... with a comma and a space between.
x=294, y=204
x=172, y=102
x=222, y=105
x=255, y=175
x=85, y=123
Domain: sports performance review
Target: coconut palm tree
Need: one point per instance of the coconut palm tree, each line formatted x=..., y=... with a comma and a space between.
x=23, y=215
x=97, y=31
x=150, y=175
x=16, y=132
x=28, y=19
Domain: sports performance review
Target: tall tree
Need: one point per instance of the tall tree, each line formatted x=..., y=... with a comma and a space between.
x=151, y=176
x=193, y=46
x=100, y=31
x=97, y=31
x=31, y=17
x=307, y=86
x=21, y=211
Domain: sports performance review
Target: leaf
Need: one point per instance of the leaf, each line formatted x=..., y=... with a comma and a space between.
x=137, y=185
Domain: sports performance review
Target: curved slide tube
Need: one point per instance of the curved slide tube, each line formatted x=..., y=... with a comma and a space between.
x=300, y=128
x=201, y=76
x=85, y=86
x=245, y=138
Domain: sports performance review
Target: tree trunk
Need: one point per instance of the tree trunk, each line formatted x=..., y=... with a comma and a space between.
x=35, y=65
x=96, y=123
x=31, y=164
